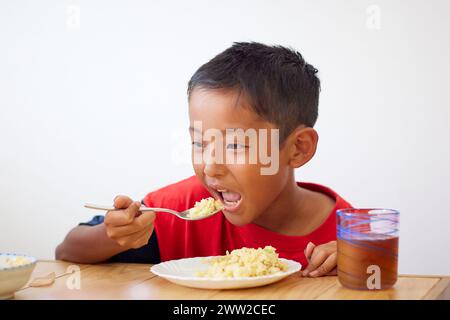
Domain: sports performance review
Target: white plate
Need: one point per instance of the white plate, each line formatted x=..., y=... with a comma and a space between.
x=182, y=272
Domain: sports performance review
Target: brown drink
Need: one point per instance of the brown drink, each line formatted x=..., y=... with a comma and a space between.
x=367, y=247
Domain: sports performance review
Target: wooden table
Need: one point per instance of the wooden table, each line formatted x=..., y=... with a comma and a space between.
x=135, y=281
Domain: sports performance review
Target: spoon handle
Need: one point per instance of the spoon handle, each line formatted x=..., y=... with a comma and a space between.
x=142, y=208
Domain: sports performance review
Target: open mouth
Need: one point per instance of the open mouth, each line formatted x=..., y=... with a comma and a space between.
x=231, y=200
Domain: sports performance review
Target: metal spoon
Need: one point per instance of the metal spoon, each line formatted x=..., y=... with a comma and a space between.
x=181, y=215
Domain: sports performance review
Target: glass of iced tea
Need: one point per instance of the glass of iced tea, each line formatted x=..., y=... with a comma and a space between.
x=367, y=247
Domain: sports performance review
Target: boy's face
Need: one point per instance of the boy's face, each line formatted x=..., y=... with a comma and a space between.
x=245, y=192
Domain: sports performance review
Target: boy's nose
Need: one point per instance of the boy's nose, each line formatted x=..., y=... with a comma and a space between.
x=213, y=162
x=214, y=169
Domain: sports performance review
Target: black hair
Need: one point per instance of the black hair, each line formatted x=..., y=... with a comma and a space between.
x=281, y=87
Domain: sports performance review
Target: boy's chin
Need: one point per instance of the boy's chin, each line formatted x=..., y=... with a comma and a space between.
x=237, y=220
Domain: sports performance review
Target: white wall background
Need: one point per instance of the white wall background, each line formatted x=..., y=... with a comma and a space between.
x=93, y=104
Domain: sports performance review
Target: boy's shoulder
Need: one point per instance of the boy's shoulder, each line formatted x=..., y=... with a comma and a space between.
x=325, y=195
x=182, y=194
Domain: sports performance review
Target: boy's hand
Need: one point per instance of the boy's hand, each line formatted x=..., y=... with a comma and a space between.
x=129, y=227
x=322, y=260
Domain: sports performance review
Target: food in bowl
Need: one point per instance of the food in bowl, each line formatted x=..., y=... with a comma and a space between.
x=15, y=271
x=15, y=261
x=204, y=208
x=244, y=262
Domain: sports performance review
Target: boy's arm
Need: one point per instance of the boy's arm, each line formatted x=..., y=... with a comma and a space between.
x=88, y=244
x=122, y=230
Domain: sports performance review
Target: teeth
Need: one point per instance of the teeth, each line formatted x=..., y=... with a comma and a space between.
x=222, y=190
x=230, y=202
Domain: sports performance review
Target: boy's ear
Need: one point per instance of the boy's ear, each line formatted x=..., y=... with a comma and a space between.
x=302, y=145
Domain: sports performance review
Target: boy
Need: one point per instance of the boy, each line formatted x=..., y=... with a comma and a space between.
x=249, y=97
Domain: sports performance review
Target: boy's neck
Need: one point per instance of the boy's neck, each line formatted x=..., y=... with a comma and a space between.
x=296, y=211
x=286, y=208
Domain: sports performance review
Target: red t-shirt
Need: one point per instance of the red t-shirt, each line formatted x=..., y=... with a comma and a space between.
x=179, y=238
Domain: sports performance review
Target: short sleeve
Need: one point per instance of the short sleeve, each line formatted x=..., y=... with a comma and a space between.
x=94, y=221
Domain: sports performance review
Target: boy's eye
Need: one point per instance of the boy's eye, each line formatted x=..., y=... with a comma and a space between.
x=236, y=146
x=197, y=144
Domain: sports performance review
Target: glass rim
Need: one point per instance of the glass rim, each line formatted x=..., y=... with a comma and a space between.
x=367, y=212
